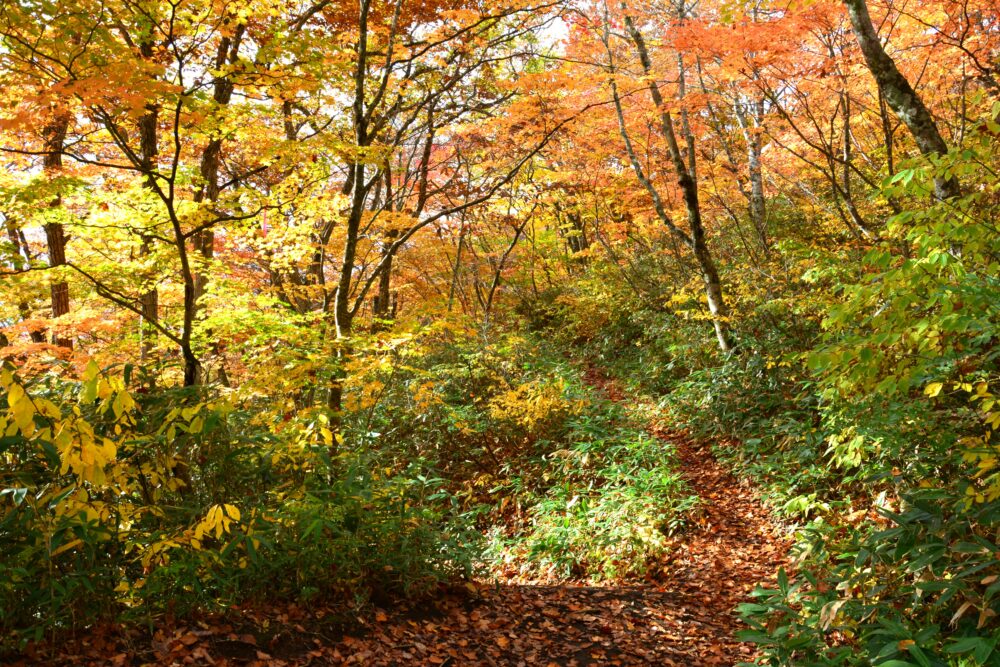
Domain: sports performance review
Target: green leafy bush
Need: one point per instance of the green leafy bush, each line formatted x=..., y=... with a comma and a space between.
x=564, y=481
x=905, y=378
x=114, y=507
x=612, y=504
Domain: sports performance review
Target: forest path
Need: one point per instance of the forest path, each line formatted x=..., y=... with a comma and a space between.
x=682, y=614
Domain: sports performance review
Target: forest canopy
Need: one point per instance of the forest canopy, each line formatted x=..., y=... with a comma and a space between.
x=339, y=307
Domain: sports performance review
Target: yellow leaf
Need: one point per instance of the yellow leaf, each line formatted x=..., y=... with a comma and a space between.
x=232, y=511
x=24, y=414
x=103, y=389
x=14, y=395
x=91, y=372
x=48, y=408
x=65, y=547
x=933, y=389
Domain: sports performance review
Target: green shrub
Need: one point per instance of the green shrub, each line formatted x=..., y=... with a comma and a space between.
x=113, y=508
x=612, y=499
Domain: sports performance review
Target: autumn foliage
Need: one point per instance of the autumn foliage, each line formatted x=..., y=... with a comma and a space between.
x=326, y=303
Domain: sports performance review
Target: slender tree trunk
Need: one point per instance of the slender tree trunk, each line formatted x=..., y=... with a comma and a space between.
x=577, y=237
x=899, y=94
x=888, y=132
x=149, y=300
x=846, y=140
x=498, y=272
x=22, y=251
x=758, y=202
x=204, y=240
x=458, y=266
x=342, y=313
x=689, y=189
x=54, y=134
x=752, y=138
x=383, y=311
x=846, y=156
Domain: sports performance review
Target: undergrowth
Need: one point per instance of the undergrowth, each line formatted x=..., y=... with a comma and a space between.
x=565, y=482
x=457, y=456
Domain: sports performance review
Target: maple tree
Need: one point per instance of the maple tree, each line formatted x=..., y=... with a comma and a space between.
x=314, y=308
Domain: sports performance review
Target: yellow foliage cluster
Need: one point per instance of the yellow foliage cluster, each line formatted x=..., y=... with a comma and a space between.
x=534, y=405
x=93, y=484
x=982, y=449
x=306, y=435
x=424, y=396
x=219, y=519
x=82, y=452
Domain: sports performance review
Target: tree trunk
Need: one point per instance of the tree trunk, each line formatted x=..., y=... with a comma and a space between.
x=383, y=311
x=21, y=249
x=752, y=138
x=204, y=240
x=458, y=266
x=577, y=236
x=343, y=315
x=899, y=94
x=148, y=300
x=689, y=188
x=498, y=272
x=54, y=135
